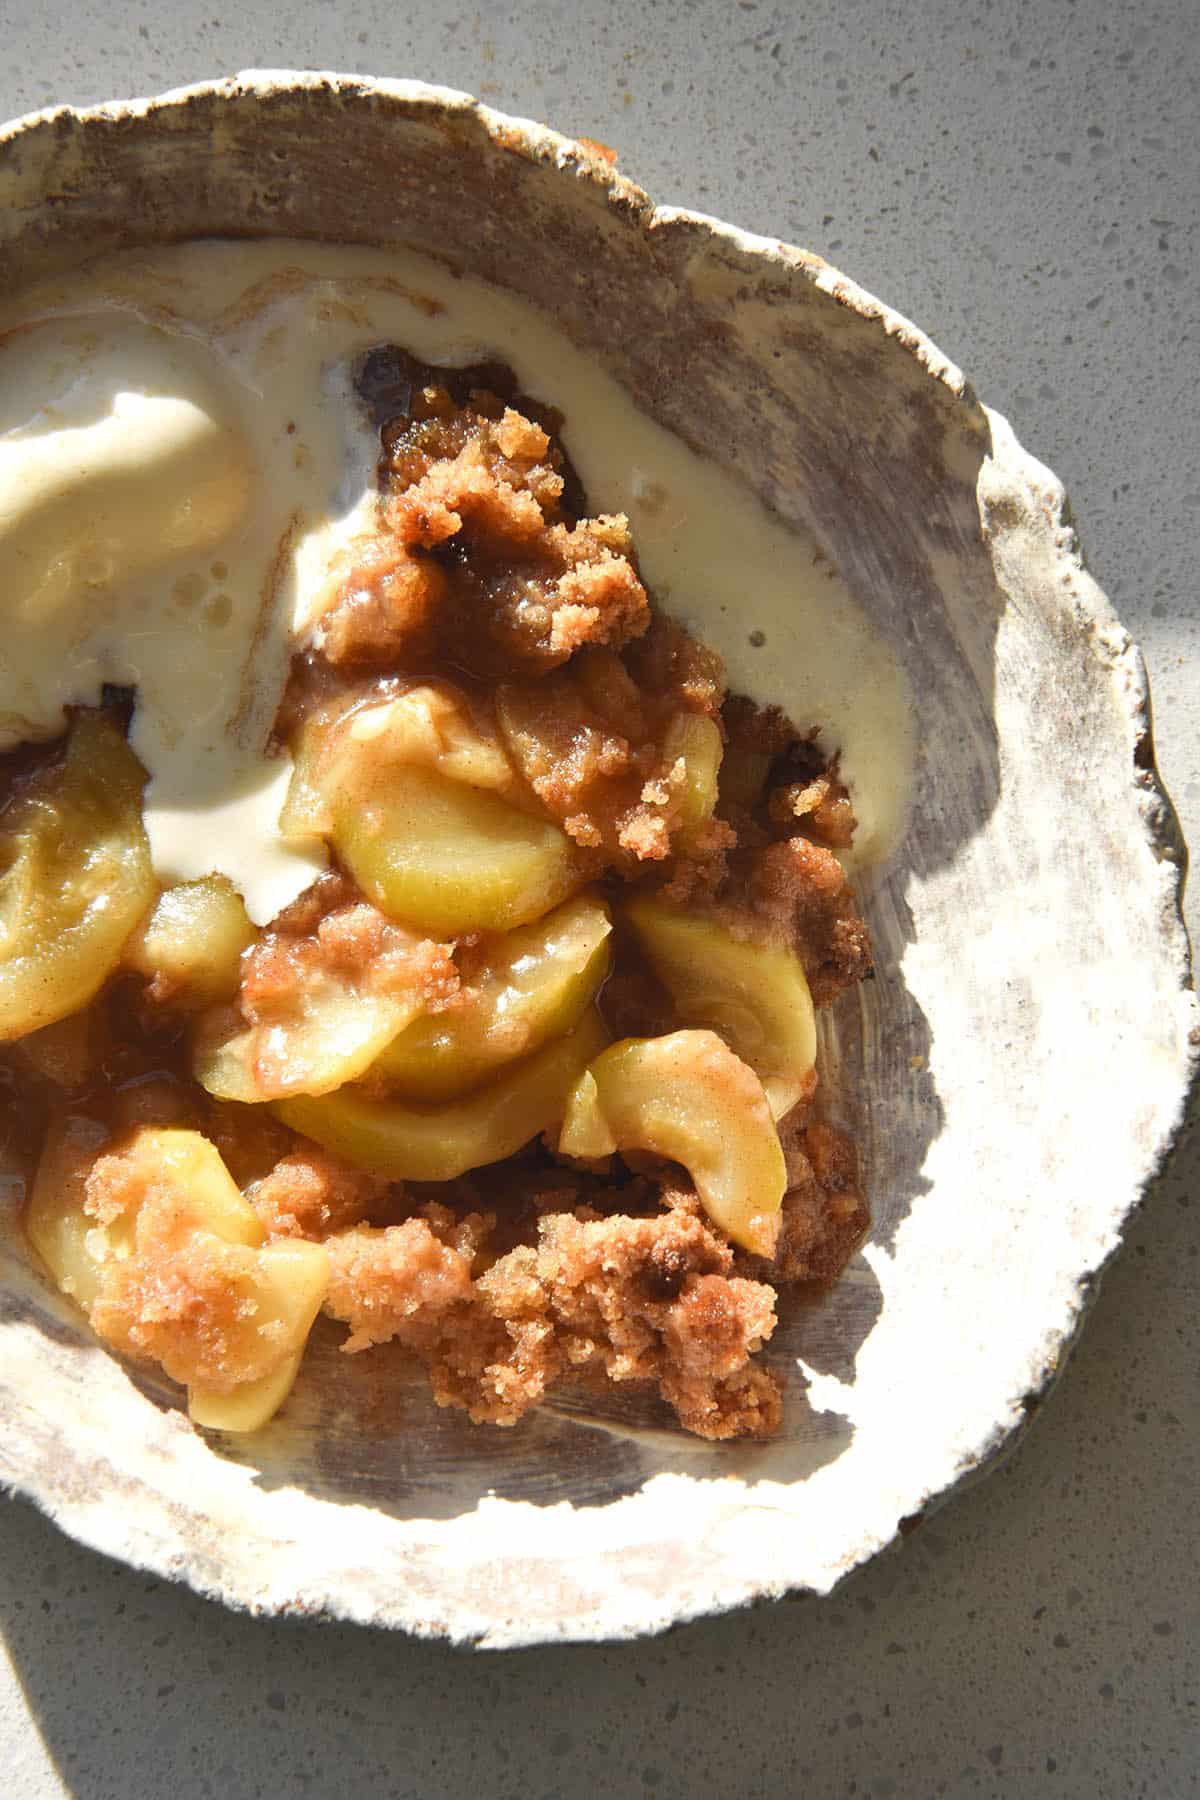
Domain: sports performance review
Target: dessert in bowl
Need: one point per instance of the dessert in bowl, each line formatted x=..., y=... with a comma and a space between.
x=805, y=487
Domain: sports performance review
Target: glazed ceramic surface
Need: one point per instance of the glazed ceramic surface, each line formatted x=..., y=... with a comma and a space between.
x=1014, y=1074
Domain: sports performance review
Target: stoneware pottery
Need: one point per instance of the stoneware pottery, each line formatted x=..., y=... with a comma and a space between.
x=1014, y=1075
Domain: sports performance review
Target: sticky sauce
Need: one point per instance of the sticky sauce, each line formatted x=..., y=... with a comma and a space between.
x=182, y=453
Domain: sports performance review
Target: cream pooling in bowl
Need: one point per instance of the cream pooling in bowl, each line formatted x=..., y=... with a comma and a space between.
x=182, y=453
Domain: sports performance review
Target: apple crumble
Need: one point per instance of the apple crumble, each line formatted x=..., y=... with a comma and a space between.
x=525, y=1082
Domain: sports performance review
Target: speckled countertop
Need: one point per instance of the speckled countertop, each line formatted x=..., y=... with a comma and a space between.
x=1023, y=181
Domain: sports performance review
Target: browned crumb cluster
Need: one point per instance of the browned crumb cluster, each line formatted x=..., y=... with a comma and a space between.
x=647, y=1300
x=478, y=568
x=485, y=573
x=181, y=1297
x=590, y=743
x=332, y=931
x=311, y=1194
x=824, y=1216
x=781, y=881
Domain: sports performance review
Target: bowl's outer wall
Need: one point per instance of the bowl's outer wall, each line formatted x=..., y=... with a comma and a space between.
x=1014, y=1076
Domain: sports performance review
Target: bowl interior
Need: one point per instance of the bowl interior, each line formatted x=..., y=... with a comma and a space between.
x=1012, y=1074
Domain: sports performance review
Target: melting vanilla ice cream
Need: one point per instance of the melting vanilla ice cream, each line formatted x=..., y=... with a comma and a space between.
x=182, y=453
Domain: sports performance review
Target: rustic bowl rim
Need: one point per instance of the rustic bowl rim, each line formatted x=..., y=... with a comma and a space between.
x=589, y=163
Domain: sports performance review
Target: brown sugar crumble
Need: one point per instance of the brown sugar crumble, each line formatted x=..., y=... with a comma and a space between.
x=486, y=581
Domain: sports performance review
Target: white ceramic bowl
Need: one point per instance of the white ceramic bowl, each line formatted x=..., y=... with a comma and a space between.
x=1014, y=1076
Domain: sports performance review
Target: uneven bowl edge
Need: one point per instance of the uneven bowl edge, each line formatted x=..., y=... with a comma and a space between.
x=631, y=205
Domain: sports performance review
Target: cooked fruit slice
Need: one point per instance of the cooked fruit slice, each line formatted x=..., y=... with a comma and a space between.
x=438, y=1143
x=687, y=1097
x=431, y=727
x=55, y=1222
x=536, y=984
x=411, y=792
x=353, y=744
x=193, y=940
x=288, y=1291
x=452, y=858
x=333, y=1035
x=756, y=997
x=697, y=740
x=76, y=877
x=320, y=997
x=174, y=1265
x=305, y=811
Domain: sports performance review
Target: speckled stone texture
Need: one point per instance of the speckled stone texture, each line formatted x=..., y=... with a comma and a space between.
x=1023, y=183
